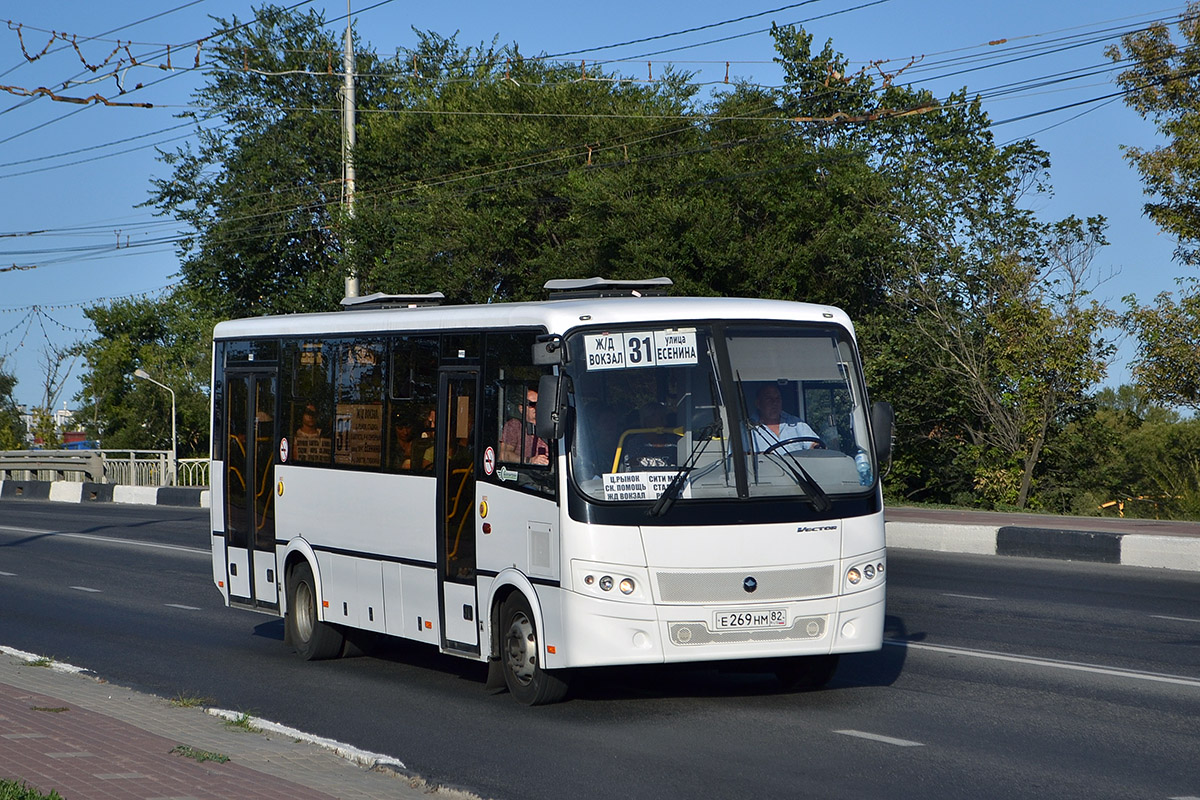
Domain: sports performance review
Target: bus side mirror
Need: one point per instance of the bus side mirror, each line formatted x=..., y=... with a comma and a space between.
x=548, y=424
x=882, y=424
x=548, y=349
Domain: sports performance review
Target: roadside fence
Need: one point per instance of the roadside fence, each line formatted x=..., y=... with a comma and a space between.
x=125, y=467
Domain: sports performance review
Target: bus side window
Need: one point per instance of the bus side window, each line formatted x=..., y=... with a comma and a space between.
x=412, y=404
x=510, y=408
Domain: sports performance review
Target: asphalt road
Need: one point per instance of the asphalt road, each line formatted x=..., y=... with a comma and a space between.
x=1002, y=677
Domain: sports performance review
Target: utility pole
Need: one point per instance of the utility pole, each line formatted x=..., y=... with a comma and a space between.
x=348, y=108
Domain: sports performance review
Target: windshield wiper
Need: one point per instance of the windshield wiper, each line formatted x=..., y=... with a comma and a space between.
x=788, y=461
x=671, y=493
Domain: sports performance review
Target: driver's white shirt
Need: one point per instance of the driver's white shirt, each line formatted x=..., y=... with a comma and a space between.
x=790, y=427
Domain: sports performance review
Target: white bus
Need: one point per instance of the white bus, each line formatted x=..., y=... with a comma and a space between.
x=607, y=477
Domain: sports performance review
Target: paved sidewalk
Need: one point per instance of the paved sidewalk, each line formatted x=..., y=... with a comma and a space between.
x=89, y=740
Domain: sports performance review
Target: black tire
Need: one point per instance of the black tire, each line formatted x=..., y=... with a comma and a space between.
x=528, y=683
x=313, y=639
x=805, y=673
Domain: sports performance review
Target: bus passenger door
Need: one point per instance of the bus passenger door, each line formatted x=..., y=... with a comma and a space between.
x=457, y=454
x=250, y=489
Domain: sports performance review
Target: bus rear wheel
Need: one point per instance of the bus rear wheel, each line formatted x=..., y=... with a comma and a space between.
x=313, y=639
x=527, y=681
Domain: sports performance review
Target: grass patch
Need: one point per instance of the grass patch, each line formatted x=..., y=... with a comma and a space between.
x=241, y=723
x=48, y=709
x=13, y=790
x=193, y=753
x=44, y=661
x=185, y=701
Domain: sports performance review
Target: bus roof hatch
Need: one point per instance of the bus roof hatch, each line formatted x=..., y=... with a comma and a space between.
x=568, y=288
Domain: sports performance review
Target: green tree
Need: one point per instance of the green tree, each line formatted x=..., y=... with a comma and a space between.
x=1161, y=81
x=262, y=189
x=12, y=430
x=171, y=339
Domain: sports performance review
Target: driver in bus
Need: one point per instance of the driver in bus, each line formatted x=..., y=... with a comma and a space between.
x=771, y=424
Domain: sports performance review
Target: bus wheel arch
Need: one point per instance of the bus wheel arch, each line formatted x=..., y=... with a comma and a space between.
x=517, y=648
x=303, y=629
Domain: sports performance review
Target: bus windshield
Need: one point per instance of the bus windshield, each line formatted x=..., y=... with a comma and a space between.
x=718, y=412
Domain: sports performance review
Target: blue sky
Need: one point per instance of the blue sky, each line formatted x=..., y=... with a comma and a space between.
x=72, y=176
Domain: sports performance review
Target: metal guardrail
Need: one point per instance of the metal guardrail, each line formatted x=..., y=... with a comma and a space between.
x=60, y=465
x=125, y=467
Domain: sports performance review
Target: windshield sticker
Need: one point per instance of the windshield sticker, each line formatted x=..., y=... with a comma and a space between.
x=640, y=349
x=639, y=485
x=506, y=474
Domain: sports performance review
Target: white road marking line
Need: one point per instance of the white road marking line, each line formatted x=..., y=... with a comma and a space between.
x=1155, y=616
x=9, y=574
x=875, y=737
x=86, y=589
x=967, y=596
x=1050, y=662
x=106, y=539
x=185, y=608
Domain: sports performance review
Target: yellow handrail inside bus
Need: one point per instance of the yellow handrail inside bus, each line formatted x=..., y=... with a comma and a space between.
x=621, y=442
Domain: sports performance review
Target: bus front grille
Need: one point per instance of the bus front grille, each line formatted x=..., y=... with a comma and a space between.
x=730, y=586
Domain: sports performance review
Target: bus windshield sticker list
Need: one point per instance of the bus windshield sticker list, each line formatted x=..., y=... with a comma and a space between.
x=640, y=349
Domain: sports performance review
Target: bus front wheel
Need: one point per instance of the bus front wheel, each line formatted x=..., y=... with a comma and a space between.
x=313, y=639
x=527, y=681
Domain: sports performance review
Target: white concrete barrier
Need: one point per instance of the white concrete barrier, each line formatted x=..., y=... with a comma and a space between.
x=66, y=492
x=137, y=495
x=976, y=539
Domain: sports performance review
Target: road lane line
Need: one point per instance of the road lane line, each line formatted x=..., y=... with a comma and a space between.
x=185, y=608
x=875, y=737
x=1161, y=616
x=1052, y=663
x=968, y=596
x=105, y=539
x=86, y=589
x=9, y=574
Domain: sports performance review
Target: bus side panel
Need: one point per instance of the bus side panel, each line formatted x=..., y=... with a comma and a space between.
x=374, y=536
x=419, y=621
x=524, y=533
x=217, y=517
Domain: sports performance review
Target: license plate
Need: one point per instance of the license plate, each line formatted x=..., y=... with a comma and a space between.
x=750, y=619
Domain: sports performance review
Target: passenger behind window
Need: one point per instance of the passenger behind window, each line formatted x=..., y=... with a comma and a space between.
x=410, y=451
x=518, y=442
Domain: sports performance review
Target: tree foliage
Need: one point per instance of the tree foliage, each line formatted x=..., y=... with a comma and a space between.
x=170, y=338
x=482, y=173
x=12, y=430
x=1161, y=80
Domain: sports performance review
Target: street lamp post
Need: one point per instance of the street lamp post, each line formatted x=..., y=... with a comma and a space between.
x=141, y=373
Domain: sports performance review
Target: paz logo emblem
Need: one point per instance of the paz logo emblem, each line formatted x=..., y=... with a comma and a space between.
x=750, y=585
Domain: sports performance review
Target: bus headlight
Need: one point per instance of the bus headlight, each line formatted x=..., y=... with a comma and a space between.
x=606, y=583
x=869, y=571
x=854, y=576
x=627, y=586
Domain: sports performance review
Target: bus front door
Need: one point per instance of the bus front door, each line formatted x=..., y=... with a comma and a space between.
x=249, y=489
x=457, y=454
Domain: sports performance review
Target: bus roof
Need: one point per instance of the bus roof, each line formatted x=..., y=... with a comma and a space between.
x=556, y=316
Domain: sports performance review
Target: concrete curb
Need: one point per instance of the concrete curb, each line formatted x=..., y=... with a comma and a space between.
x=75, y=492
x=1129, y=549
